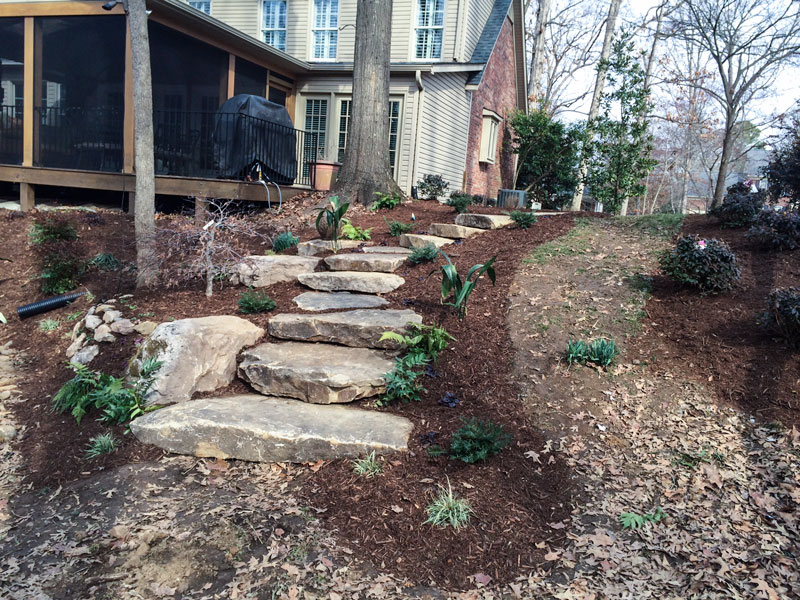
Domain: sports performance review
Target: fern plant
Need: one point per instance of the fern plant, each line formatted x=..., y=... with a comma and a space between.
x=632, y=520
x=401, y=383
x=478, y=440
x=386, y=201
x=284, y=241
x=426, y=340
x=461, y=290
x=352, y=232
x=333, y=213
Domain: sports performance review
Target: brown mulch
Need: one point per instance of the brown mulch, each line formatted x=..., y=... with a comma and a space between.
x=718, y=338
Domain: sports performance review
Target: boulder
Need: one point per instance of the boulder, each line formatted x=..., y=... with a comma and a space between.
x=92, y=322
x=264, y=429
x=314, y=247
x=86, y=355
x=122, y=326
x=197, y=355
x=319, y=301
x=484, y=221
x=386, y=250
x=261, y=271
x=316, y=373
x=145, y=328
x=110, y=316
x=417, y=240
x=357, y=328
x=7, y=433
x=375, y=263
x=76, y=345
x=103, y=334
x=352, y=281
x=449, y=230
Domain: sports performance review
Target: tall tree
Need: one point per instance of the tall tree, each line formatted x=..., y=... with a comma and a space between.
x=144, y=208
x=748, y=41
x=611, y=22
x=537, y=53
x=365, y=168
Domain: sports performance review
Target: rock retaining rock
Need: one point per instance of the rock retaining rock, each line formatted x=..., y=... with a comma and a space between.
x=373, y=263
x=261, y=271
x=352, y=281
x=320, y=301
x=484, y=221
x=417, y=240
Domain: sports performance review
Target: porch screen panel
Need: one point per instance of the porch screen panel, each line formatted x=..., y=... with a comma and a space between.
x=12, y=48
x=82, y=96
x=250, y=79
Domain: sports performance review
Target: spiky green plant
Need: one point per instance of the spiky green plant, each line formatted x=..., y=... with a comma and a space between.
x=577, y=351
x=602, y=352
x=284, y=241
x=448, y=510
x=367, y=466
x=105, y=443
x=396, y=228
x=461, y=290
x=423, y=254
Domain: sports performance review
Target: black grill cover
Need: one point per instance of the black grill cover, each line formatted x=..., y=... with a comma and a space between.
x=250, y=129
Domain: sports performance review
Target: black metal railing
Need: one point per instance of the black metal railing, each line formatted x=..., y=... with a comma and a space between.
x=10, y=135
x=228, y=145
x=83, y=138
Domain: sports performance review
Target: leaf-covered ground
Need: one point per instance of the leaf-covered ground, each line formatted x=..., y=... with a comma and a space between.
x=641, y=440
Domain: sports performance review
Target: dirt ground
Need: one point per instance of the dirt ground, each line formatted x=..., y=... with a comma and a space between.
x=716, y=485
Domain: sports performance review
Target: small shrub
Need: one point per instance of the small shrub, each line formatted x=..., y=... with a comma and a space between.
x=523, y=219
x=478, y=440
x=459, y=201
x=426, y=340
x=49, y=324
x=577, y=352
x=706, y=264
x=52, y=229
x=367, y=466
x=252, y=302
x=423, y=254
x=386, y=201
x=461, y=290
x=396, y=228
x=431, y=187
x=283, y=241
x=352, y=232
x=448, y=510
x=60, y=272
x=600, y=352
x=401, y=383
x=740, y=206
x=776, y=230
x=105, y=443
x=105, y=262
x=784, y=312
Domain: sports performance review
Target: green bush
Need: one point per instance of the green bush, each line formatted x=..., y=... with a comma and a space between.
x=52, y=229
x=740, y=206
x=401, y=383
x=283, y=241
x=477, y=440
x=423, y=254
x=600, y=352
x=105, y=262
x=352, y=232
x=776, y=230
x=577, y=352
x=705, y=264
x=430, y=187
x=60, y=272
x=426, y=340
x=252, y=302
x=523, y=219
x=459, y=201
x=396, y=228
x=386, y=201
x=784, y=312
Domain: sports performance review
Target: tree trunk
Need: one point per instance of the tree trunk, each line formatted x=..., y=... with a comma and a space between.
x=722, y=174
x=611, y=21
x=144, y=220
x=365, y=169
x=537, y=56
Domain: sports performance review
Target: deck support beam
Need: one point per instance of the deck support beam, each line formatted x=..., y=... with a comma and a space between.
x=27, y=197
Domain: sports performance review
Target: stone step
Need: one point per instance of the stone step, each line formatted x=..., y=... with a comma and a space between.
x=320, y=301
x=373, y=263
x=483, y=221
x=352, y=281
x=261, y=271
x=356, y=328
x=417, y=240
x=316, y=373
x=263, y=429
x=449, y=230
x=386, y=250
x=314, y=247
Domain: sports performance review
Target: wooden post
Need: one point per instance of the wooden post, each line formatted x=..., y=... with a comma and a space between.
x=28, y=116
x=200, y=210
x=128, y=129
x=27, y=197
x=131, y=203
x=231, y=75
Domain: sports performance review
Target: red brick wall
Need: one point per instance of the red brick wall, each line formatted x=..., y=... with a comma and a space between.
x=496, y=92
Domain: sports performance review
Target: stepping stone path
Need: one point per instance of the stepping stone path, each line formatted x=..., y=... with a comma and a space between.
x=316, y=373
x=319, y=301
x=331, y=358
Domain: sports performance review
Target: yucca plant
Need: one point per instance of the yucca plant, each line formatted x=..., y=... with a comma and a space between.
x=333, y=213
x=448, y=510
x=105, y=443
x=461, y=290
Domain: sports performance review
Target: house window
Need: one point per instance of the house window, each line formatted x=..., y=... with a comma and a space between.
x=430, y=29
x=273, y=23
x=316, y=123
x=345, y=113
x=202, y=6
x=491, y=125
x=325, y=31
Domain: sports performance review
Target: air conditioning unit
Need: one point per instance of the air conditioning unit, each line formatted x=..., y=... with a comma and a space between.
x=512, y=198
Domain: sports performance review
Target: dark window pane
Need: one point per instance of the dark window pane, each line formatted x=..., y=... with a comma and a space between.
x=12, y=48
x=277, y=95
x=250, y=78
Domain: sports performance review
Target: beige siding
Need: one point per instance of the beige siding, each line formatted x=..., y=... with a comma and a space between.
x=403, y=13
x=477, y=15
x=244, y=15
x=444, y=128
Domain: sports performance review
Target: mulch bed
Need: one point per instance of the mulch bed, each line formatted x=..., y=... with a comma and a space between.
x=718, y=339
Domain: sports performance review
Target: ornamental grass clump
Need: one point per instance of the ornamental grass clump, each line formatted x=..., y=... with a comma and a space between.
x=104, y=443
x=776, y=230
x=740, y=206
x=706, y=264
x=784, y=312
x=448, y=510
x=600, y=352
x=477, y=440
x=367, y=466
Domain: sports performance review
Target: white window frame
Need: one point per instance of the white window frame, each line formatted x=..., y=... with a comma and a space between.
x=273, y=30
x=201, y=6
x=430, y=28
x=490, y=128
x=329, y=31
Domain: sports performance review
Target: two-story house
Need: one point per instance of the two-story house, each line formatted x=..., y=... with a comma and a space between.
x=457, y=72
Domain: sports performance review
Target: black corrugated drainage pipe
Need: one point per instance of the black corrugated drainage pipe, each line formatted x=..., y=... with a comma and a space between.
x=28, y=310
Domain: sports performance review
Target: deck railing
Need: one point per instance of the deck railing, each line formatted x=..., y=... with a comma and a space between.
x=10, y=135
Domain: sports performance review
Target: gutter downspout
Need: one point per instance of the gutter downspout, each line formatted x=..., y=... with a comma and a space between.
x=420, y=94
x=458, y=53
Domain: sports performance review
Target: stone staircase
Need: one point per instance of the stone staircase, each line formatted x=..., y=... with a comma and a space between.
x=324, y=359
